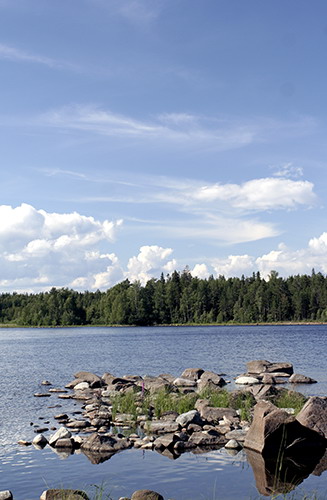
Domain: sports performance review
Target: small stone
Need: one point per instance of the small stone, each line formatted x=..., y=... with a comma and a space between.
x=42, y=395
x=233, y=445
x=40, y=440
x=246, y=380
x=146, y=495
x=22, y=442
x=45, y=382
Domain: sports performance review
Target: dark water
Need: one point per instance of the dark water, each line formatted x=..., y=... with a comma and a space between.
x=29, y=356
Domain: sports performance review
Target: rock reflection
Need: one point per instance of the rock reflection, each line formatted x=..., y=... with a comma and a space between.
x=280, y=477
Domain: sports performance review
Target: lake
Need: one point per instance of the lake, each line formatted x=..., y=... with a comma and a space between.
x=29, y=356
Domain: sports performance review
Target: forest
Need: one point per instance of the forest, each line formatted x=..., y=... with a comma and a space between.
x=178, y=298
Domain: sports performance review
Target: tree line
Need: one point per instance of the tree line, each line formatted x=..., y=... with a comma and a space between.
x=178, y=298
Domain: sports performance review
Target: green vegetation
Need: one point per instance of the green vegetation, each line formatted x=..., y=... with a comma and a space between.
x=178, y=298
x=290, y=399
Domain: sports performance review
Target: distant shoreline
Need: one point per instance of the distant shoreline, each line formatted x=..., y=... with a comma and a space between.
x=279, y=323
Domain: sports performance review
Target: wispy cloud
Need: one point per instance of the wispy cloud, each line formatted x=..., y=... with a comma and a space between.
x=17, y=55
x=137, y=12
x=213, y=133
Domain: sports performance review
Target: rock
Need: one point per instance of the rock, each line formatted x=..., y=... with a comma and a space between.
x=184, y=382
x=192, y=373
x=82, y=386
x=64, y=443
x=61, y=433
x=166, y=441
x=314, y=415
x=61, y=416
x=297, y=378
x=6, y=495
x=214, y=415
x=45, y=382
x=211, y=380
x=190, y=417
x=22, y=442
x=62, y=494
x=263, y=391
x=247, y=380
x=146, y=495
x=161, y=426
x=205, y=439
x=42, y=395
x=274, y=431
x=40, y=440
x=78, y=424
x=107, y=378
x=264, y=366
x=102, y=444
x=232, y=444
x=89, y=377
x=237, y=434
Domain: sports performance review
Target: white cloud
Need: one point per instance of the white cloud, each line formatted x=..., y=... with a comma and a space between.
x=233, y=265
x=259, y=194
x=200, y=271
x=288, y=170
x=40, y=248
x=149, y=263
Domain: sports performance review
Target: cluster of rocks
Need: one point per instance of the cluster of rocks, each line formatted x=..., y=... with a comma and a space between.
x=202, y=428
x=273, y=433
x=69, y=494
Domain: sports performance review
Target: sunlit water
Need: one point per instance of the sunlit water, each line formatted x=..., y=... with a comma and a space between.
x=29, y=356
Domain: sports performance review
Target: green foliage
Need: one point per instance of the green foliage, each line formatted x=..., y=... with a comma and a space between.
x=178, y=298
x=164, y=400
x=124, y=403
x=221, y=398
x=290, y=399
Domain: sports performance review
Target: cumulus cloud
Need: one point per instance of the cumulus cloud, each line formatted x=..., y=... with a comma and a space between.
x=200, y=271
x=150, y=262
x=41, y=248
x=282, y=259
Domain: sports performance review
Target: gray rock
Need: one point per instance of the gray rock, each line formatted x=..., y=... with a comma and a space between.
x=232, y=444
x=166, y=441
x=64, y=443
x=274, y=431
x=189, y=417
x=297, y=378
x=40, y=440
x=264, y=366
x=6, y=495
x=63, y=494
x=314, y=415
x=82, y=386
x=214, y=415
x=184, y=382
x=205, y=439
x=247, y=380
x=89, y=377
x=192, y=373
x=161, y=426
x=237, y=434
x=146, y=495
x=61, y=433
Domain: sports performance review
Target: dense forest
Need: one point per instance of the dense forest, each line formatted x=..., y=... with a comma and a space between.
x=178, y=298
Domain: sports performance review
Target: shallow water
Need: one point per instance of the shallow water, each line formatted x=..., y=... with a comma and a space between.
x=29, y=356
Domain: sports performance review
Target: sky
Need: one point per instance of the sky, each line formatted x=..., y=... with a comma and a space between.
x=143, y=136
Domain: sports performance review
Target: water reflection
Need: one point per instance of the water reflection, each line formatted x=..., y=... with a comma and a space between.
x=275, y=476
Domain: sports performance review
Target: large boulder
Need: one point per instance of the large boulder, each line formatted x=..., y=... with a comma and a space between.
x=214, y=415
x=273, y=431
x=314, y=415
x=260, y=366
x=89, y=377
x=6, y=495
x=210, y=380
x=297, y=378
x=192, y=373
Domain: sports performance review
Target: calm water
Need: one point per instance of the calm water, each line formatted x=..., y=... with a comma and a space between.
x=29, y=356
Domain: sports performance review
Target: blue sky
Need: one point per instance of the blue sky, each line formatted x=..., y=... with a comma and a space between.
x=142, y=136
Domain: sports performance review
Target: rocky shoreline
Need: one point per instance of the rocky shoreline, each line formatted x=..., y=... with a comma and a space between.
x=147, y=412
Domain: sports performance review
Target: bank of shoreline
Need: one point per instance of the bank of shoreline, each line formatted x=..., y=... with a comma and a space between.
x=230, y=324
